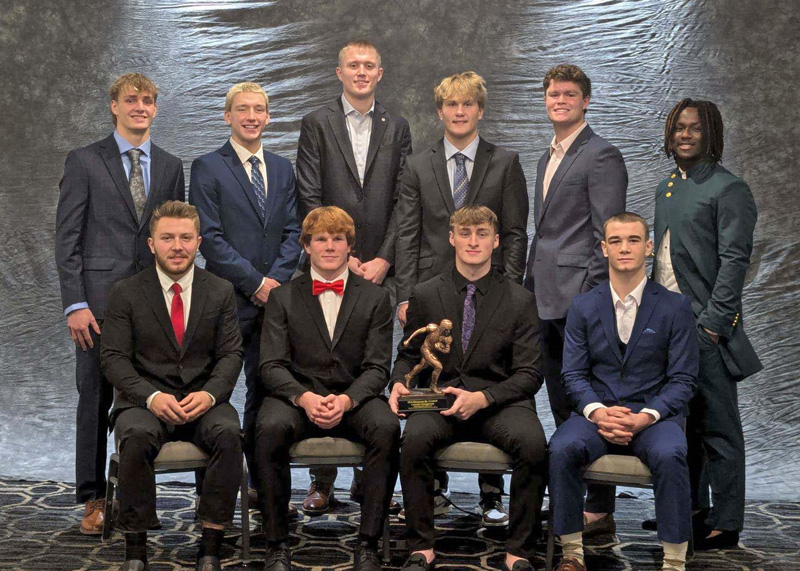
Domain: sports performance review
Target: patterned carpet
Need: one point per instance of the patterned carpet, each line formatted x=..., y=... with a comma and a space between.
x=39, y=531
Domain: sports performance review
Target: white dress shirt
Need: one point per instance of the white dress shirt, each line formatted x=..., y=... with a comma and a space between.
x=625, y=311
x=450, y=152
x=557, y=153
x=665, y=273
x=359, y=129
x=329, y=301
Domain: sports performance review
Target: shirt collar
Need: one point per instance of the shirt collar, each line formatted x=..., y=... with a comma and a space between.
x=566, y=143
x=469, y=151
x=244, y=155
x=636, y=294
x=350, y=109
x=166, y=282
x=482, y=284
x=343, y=276
x=125, y=146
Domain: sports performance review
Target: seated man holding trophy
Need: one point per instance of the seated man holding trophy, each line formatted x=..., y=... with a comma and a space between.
x=480, y=364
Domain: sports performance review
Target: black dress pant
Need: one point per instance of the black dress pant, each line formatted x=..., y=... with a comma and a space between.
x=141, y=436
x=281, y=424
x=251, y=345
x=95, y=395
x=599, y=499
x=514, y=429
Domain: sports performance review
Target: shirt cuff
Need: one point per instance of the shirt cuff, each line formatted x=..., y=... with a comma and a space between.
x=652, y=412
x=591, y=407
x=263, y=281
x=76, y=306
x=151, y=397
x=402, y=303
x=213, y=400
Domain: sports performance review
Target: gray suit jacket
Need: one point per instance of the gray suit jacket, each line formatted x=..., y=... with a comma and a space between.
x=327, y=174
x=98, y=238
x=566, y=258
x=426, y=203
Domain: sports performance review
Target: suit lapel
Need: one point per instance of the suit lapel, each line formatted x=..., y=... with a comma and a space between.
x=571, y=155
x=303, y=283
x=538, y=207
x=486, y=310
x=350, y=297
x=231, y=159
x=649, y=301
x=605, y=308
x=376, y=136
x=483, y=157
x=337, y=121
x=199, y=296
x=109, y=151
x=157, y=167
x=155, y=297
x=439, y=165
x=452, y=309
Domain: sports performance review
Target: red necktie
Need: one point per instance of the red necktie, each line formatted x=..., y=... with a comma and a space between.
x=337, y=287
x=176, y=315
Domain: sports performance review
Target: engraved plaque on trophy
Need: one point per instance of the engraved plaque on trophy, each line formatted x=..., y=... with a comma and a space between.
x=438, y=339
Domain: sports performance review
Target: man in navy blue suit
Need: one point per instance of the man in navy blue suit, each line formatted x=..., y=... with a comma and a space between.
x=247, y=204
x=630, y=365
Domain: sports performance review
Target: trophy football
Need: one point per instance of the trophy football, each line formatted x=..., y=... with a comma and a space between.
x=438, y=339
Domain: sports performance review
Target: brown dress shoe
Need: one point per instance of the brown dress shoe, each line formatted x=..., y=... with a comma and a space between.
x=318, y=499
x=94, y=514
x=570, y=564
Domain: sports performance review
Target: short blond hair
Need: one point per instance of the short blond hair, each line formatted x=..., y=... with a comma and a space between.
x=474, y=215
x=330, y=219
x=467, y=85
x=359, y=45
x=175, y=209
x=244, y=87
x=135, y=81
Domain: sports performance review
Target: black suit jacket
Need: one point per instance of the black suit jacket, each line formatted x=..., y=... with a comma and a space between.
x=327, y=174
x=502, y=358
x=139, y=354
x=426, y=203
x=298, y=355
x=98, y=238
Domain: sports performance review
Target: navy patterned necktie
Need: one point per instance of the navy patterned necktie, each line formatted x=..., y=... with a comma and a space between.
x=468, y=321
x=258, y=185
x=460, y=181
x=136, y=183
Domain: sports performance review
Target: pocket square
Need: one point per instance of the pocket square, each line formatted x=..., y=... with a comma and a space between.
x=648, y=331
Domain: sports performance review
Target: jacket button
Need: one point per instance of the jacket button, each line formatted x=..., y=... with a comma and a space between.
x=180, y=367
x=539, y=235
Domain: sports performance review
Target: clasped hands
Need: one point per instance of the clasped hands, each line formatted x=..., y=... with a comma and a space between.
x=466, y=404
x=326, y=412
x=618, y=424
x=167, y=408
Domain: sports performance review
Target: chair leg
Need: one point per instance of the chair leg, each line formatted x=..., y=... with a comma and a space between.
x=387, y=553
x=108, y=521
x=551, y=543
x=245, y=517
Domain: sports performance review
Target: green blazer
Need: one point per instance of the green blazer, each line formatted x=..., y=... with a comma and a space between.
x=711, y=216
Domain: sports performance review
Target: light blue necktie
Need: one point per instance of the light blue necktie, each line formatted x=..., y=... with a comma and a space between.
x=258, y=185
x=460, y=181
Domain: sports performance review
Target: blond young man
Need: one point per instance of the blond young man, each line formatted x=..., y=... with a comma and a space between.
x=107, y=194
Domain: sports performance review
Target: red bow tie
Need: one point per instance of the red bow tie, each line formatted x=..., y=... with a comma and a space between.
x=337, y=287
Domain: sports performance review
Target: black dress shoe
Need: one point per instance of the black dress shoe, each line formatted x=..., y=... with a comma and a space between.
x=417, y=562
x=135, y=565
x=603, y=526
x=208, y=563
x=278, y=559
x=521, y=565
x=698, y=524
x=725, y=540
x=366, y=558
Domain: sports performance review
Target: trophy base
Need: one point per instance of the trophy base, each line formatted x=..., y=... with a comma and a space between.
x=424, y=400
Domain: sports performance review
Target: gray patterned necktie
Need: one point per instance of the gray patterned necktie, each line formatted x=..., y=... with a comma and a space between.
x=258, y=185
x=136, y=183
x=468, y=321
x=460, y=181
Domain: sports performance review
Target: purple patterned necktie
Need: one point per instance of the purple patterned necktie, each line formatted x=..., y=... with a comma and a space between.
x=468, y=322
x=460, y=181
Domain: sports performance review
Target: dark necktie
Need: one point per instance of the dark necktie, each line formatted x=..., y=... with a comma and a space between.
x=136, y=183
x=258, y=185
x=317, y=287
x=460, y=181
x=176, y=315
x=468, y=321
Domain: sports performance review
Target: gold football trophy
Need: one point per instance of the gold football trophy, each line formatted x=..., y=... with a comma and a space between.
x=438, y=339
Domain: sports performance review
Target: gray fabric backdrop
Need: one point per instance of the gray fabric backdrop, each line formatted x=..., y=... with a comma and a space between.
x=58, y=59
